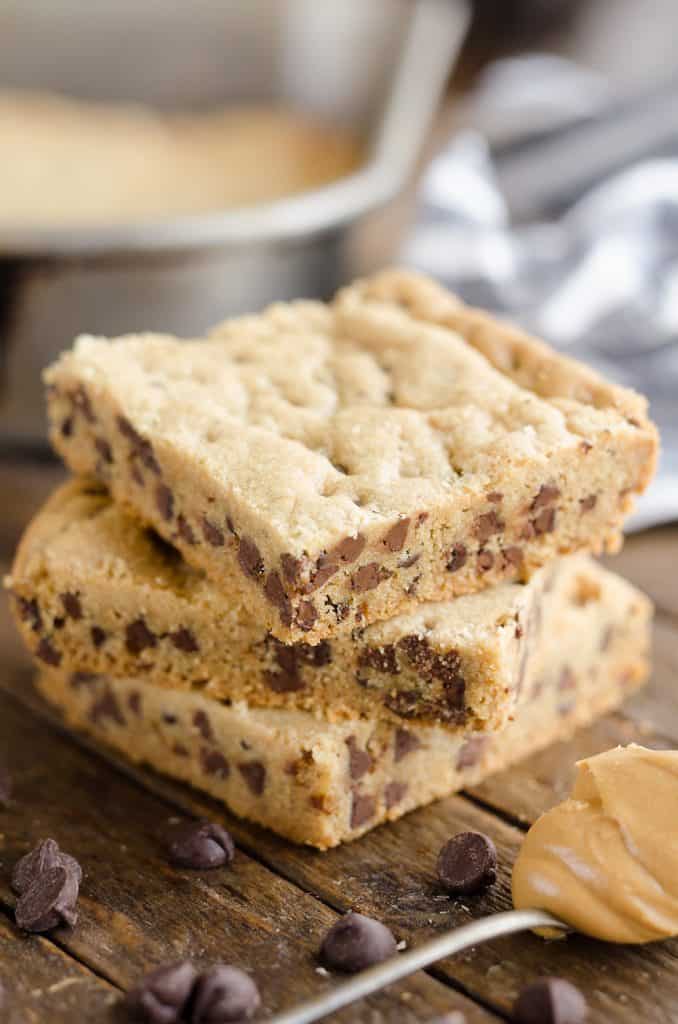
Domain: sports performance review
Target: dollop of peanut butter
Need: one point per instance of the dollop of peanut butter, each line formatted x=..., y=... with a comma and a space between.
x=605, y=860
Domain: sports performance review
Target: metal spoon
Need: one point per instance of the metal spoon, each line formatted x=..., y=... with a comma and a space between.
x=378, y=977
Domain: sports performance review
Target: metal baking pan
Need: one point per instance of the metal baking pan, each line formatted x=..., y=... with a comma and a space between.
x=377, y=64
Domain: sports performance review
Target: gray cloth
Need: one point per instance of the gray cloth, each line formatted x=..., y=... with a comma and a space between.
x=600, y=283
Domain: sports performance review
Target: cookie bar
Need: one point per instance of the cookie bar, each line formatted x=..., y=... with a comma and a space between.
x=330, y=466
x=322, y=783
x=96, y=592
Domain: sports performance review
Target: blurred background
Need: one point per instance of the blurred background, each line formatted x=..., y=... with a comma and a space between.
x=164, y=165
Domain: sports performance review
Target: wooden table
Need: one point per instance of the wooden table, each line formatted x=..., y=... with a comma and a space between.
x=268, y=911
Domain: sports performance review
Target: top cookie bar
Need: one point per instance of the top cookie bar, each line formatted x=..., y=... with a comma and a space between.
x=337, y=463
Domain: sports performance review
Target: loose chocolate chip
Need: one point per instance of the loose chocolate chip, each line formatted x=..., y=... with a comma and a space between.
x=184, y=640
x=356, y=942
x=164, y=499
x=98, y=635
x=201, y=845
x=381, y=659
x=224, y=994
x=107, y=707
x=41, y=858
x=588, y=503
x=369, y=576
x=213, y=535
x=291, y=567
x=185, y=530
x=202, y=724
x=5, y=786
x=550, y=1001
x=254, y=774
x=457, y=558
x=347, y=550
x=138, y=637
x=546, y=495
x=485, y=561
x=394, y=793
x=406, y=742
x=306, y=615
x=249, y=558
x=363, y=809
x=359, y=761
x=467, y=863
x=214, y=763
x=394, y=539
x=49, y=901
x=104, y=449
x=275, y=592
x=486, y=525
x=545, y=522
x=29, y=611
x=72, y=605
x=48, y=653
x=162, y=996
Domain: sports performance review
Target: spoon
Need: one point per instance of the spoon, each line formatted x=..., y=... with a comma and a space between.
x=377, y=977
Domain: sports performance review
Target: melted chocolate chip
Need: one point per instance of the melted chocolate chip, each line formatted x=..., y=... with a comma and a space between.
x=141, y=448
x=249, y=558
x=223, y=994
x=394, y=794
x=214, y=763
x=347, y=550
x=164, y=499
x=456, y=558
x=72, y=605
x=359, y=761
x=82, y=403
x=405, y=743
x=356, y=942
x=46, y=652
x=306, y=615
x=275, y=592
x=394, y=539
x=369, y=576
x=545, y=522
x=29, y=611
x=471, y=752
x=202, y=723
x=185, y=530
x=550, y=1001
x=316, y=655
x=546, y=495
x=467, y=863
x=104, y=449
x=184, y=640
x=98, y=635
x=291, y=567
x=486, y=525
x=201, y=845
x=495, y=497
x=254, y=774
x=381, y=659
x=513, y=556
x=138, y=637
x=485, y=561
x=363, y=809
x=212, y=534
x=324, y=571
x=162, y=996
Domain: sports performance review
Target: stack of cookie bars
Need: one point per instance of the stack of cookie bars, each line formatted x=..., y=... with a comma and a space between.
x=331, y=563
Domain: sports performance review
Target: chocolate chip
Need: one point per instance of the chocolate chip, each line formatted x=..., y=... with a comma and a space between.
x=67, y=427
x=184, y=640
x=467, y=863
x=162, y=996
x=107, y=707
x=80, y=679
x=291, y=567
x=324, y=571
x=405, y=743
x=134, y=701
x=381, y=659
x=169, y=718
x=495, y=497
x=471, y=752
x=214, y=763
x=409, y=561
x=201, y=845
x=202, y=724
x=546, y=495
x=359, y=761
x=394, y=539
x=394, y=794
x=306, y=615
x=486, y=525
x=513, y=556
x=249, y=558
x=363, y=809
x=212, y=534
x=545, y=522
x=72, y=605
x=5, y=786
x=347, y=550
x=104, y=449
x=48, y=902
x=185, y=530
x=138, y=637
x=48, y=653
x=141, y=448
x=59, y=622
x=98, y=635
x=41, y=858
x=356, y=942
x=223, y=994
x=254, y=774
x=29, y=611
x=588, y=503
x=368, y=577
x=457, y=558
x=550, y=1001
x=485, y=561
x=316, y=655
x=275, y=592
x=81, y=401
x=164, y=500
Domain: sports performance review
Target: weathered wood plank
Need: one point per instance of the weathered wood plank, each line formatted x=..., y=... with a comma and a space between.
x=43, y=983
x=136, y=910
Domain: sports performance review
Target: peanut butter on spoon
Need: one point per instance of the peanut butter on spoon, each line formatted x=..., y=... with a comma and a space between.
x=605, y=860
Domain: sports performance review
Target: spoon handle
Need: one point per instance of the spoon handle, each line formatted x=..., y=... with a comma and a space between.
x=398, y=967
